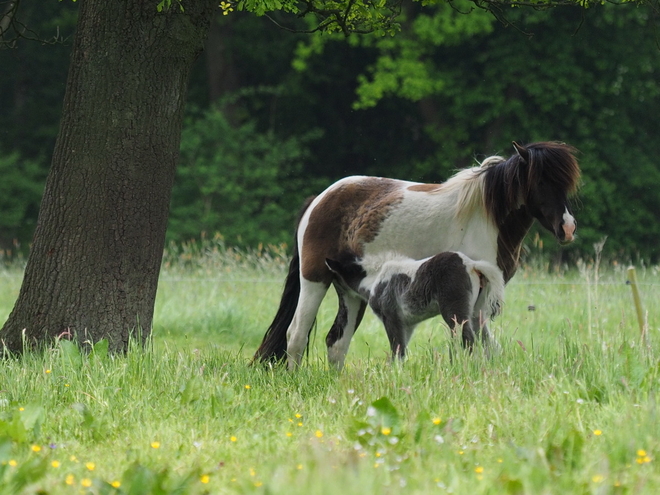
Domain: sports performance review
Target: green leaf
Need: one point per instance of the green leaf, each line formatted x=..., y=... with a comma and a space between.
x=70, y=352
x=100, y=349
x=382, y=413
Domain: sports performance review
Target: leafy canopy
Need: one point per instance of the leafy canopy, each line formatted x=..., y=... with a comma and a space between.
x=380, y=17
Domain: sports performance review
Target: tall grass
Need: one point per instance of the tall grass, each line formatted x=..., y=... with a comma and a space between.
x=569, y=405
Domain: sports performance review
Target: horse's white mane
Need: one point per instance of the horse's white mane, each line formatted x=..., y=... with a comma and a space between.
x=470, y=186
x=492, y=160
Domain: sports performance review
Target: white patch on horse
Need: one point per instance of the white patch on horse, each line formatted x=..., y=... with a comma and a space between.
x=569, y=226
x=425, y=224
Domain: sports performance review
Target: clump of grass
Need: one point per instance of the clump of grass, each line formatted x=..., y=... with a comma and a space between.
x=561, y=409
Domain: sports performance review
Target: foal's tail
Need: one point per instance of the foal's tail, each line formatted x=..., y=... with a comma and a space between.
x=273, y=345
x=493, y=289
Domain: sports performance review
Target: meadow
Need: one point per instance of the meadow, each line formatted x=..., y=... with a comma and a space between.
x=569, y=404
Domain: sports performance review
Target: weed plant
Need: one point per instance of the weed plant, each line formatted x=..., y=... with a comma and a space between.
x=569, y=404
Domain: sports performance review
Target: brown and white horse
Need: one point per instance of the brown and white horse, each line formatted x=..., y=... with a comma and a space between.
x=484, y=212
x=403, y=292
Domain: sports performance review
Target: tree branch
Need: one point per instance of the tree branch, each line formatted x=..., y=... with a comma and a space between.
x=12, y=29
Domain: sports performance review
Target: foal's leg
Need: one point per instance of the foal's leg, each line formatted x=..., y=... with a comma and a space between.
x=479, y=323
x=399, y=335
x=349, y=316
x=311, y=296
x=457, y=315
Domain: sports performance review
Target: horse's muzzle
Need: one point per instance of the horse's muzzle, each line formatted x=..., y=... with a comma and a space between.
x=568, y=227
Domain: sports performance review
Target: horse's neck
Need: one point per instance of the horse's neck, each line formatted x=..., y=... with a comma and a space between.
x=509, y=241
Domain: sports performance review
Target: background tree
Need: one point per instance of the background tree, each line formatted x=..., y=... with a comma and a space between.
x=93, y=267
x=448, y=88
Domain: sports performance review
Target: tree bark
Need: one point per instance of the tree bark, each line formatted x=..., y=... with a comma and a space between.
x=93, y=268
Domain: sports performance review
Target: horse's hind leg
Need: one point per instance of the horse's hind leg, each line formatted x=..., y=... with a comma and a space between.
x=350, y=313
x=311, y=296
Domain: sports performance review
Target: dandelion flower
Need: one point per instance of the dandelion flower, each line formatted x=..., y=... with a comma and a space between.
x=115, y=484
x=298, y=415
x=386, y=430
x=248, y=387
x=55, y=464
x=86, y=482
x=36, y=448
x=232, y=438
x=598, y=433
x=205, y=478
x=641, y=453
x=69, y=479
x=318, y=433
x=155, y=445
x=13, y=463
x=48, y=372
x=437, y=421
x=90, y=466
x=289, y=434
x=479, y=469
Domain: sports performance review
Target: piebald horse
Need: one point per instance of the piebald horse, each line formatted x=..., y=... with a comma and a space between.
x=483, y=212
x=403, y=292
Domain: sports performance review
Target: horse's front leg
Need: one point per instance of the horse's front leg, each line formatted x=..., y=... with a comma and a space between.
x=350, y=314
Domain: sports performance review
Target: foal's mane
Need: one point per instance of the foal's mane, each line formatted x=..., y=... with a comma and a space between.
x=500, y=184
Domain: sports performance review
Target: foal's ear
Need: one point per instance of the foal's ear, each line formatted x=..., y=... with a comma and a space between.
x=522, y=152
x=334, y=266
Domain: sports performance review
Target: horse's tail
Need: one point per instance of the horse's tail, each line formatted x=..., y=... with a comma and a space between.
x=273, y=345
x=493, y=289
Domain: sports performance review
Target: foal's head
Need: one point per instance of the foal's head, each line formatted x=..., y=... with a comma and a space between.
x=541, y=177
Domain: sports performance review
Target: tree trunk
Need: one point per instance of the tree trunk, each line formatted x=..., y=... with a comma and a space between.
x=93, y=267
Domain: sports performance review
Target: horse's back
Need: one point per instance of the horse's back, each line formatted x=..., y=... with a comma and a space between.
x=343, y=219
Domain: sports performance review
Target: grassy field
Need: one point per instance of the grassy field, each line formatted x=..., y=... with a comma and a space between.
x=568, y=406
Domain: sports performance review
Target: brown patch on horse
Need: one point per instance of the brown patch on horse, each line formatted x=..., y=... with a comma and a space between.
x=427, y=188
x=345, y=219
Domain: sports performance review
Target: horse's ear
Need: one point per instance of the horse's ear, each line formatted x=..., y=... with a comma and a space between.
x=522, y=152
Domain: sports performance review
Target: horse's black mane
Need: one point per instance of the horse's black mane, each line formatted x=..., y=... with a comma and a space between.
x=510, y=180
